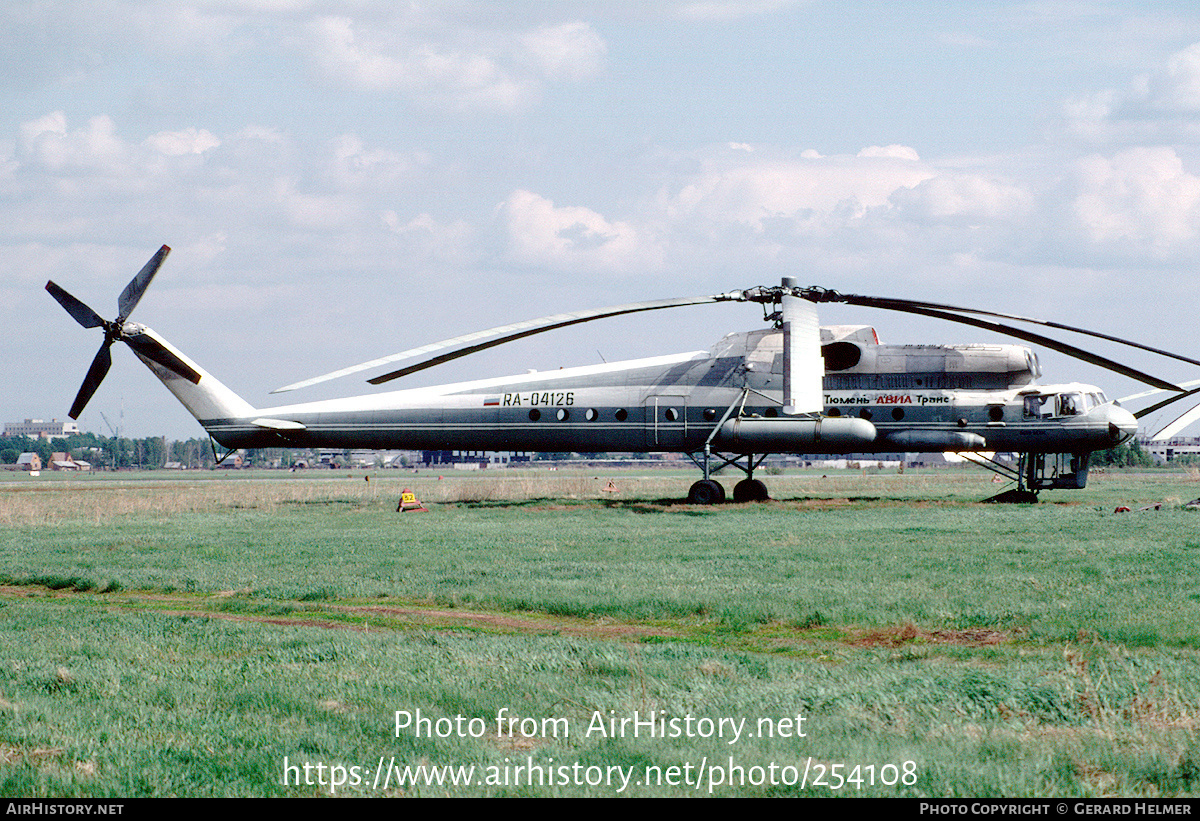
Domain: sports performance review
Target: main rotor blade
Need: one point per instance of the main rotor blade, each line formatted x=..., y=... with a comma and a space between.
x=1160, y=405
x=95, y=376
x=84, y=315
x=1179, y=424
x=894, y=304
x=1143, y=394
x=153, y=349
x=1008, y=330
x=482, y=340
x=132, y=294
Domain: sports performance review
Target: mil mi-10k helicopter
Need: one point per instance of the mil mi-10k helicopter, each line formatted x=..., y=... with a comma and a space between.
x=793, y=387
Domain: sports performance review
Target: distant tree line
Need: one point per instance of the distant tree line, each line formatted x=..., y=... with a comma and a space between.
x=111, y=451
x=1128, y=455
x=154, y=452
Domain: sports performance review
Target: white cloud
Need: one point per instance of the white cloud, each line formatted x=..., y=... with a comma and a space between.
x=751, y=190
x=496, y=71
x=720, y=10
x=354, y=166
x=574, y=238
x=1140, y=200
x=897, y=152
x=1159, y=106
x=178, y=143
x=428, y=239
x=48, y=144
x=315, y=210
x=967, y=198
x=1177, y=87
x=571, y=51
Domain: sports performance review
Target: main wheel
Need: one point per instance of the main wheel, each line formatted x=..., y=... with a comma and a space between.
x=750, y=490
x=706, y=492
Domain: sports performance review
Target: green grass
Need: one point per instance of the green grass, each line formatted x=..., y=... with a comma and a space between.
x=184, y=637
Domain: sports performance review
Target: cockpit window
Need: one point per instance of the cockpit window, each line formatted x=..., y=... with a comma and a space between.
x=1070, y=404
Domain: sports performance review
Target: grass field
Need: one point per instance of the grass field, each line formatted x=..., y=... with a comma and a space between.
x=262, y=634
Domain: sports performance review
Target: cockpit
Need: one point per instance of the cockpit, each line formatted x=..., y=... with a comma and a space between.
x=1067, y=403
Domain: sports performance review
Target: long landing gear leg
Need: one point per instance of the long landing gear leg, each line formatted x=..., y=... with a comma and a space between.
x=1025, y=475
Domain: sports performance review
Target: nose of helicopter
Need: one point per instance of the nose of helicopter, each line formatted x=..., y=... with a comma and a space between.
x=1122, y=425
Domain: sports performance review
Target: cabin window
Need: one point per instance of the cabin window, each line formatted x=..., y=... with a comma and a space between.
x=621, y=414
x=535, y=415
x=996, y=413
x=563, y=414
x=771, y=412
x=672, y=415
x=897, y=413
x=833, y=412
x=865, y=414
x=1036, y=406
x=710, y=414
x=591, y=414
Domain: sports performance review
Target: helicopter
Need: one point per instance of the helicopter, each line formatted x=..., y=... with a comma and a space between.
x=792, y=387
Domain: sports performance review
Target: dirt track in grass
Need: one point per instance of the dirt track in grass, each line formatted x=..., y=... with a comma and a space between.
x=398, y=616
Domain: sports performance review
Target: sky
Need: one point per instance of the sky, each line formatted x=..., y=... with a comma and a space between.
x=344, y=180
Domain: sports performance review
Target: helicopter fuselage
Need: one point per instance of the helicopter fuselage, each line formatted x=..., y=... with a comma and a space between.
x=729, y=397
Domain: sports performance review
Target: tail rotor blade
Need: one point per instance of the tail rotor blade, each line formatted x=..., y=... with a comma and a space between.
x=84, y=315
x=153, y=350
x=129, y=298
x=95, y=376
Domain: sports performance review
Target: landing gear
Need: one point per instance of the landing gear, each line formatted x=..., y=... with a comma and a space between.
x=709, y=492
x=706, y=492
x=750, y=490
x=1035, y=472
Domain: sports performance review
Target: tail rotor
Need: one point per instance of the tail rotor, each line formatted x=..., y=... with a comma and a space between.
x=116, y=330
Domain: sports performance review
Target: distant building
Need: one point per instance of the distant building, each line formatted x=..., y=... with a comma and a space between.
x=63, y=461
x=41, y=429
x=481, y=458
x=1167, y=451
x=365, y=458
x=30, y=462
